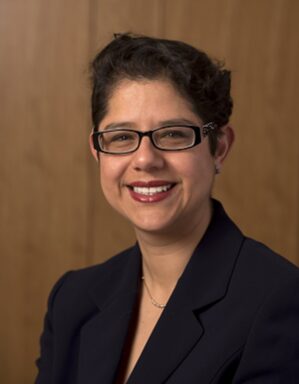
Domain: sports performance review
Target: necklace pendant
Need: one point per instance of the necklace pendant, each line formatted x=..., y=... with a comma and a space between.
x=158, y=305
x=152, y=300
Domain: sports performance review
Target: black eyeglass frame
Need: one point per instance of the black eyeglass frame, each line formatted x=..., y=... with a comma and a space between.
x=206, y=129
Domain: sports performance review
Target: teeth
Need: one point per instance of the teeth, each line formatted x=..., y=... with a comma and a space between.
x=152, y=190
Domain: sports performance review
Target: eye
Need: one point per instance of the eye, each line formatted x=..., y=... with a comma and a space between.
x=174, y=138
x=121, y=137
x=118, y=140
x=113, y=137
x=173, y=133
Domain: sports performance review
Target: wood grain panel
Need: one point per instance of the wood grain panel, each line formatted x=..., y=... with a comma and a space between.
x=259, y=41
x=110, y=232
x=52, y=214
x=44, y=127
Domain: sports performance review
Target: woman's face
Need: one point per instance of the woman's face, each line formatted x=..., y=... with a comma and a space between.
x=180, y=182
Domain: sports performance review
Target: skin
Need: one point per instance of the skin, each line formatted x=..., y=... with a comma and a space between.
x=173, y=226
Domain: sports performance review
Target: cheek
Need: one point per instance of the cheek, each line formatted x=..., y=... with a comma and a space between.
x=107, y=180
x=195, y=166
x=111, y=171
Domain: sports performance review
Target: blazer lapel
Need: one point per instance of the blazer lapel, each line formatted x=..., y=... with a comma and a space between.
x=203, y=283
x=103, y=336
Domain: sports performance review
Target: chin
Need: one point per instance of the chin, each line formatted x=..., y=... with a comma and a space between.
x=149, y=226
x=155, y=226
x=153, y=230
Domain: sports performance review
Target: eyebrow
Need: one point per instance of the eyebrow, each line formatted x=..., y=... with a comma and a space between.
x=178, y=121
x=124, y=124
x=163, y=123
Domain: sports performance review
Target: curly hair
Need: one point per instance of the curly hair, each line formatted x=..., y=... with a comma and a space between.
x=204, y=82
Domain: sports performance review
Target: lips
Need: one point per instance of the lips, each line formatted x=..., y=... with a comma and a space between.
x=151, y=191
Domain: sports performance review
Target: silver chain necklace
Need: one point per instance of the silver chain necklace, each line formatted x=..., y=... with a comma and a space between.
x=153, y=301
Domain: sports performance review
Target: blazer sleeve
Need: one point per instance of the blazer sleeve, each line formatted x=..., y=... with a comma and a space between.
x=271, y=352
x=45, y=361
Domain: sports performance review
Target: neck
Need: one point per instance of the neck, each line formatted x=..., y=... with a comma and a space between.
x=165, y=256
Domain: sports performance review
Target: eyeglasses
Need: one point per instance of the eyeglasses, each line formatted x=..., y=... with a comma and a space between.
x=120, y=141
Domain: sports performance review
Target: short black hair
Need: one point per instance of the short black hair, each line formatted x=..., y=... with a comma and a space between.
x=204, y=82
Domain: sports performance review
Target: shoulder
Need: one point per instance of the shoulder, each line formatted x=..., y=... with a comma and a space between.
x=260, y=274
x=72, y=291
x=268, y=284
x=89, y=275
x=257, y=258
x=254, y=269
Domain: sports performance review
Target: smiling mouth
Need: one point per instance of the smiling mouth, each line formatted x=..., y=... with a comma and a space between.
x=150, y=191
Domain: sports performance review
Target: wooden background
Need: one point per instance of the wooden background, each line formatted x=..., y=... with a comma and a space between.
x=52, y=215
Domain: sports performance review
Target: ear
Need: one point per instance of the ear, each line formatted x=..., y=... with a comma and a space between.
x=224, y=144
x=94, y=153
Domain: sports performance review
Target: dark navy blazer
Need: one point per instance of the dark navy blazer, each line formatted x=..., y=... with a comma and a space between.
x=232, y=318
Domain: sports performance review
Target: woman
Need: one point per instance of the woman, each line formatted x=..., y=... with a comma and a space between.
x=194, y=301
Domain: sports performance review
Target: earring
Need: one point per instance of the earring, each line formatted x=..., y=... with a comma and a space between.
x=217, y=169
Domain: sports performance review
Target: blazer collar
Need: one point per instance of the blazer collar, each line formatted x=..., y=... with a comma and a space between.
x=207, y=275
x=102, y=337
x=120, y=282
x=204, y=282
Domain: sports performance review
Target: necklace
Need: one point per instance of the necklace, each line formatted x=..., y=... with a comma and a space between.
x=153, y=301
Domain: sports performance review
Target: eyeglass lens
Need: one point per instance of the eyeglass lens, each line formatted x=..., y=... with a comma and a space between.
x=169, y=138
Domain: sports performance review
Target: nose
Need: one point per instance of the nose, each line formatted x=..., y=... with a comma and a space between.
x=147, y=157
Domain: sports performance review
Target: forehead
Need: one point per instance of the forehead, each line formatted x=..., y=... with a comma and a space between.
x=147, y=101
